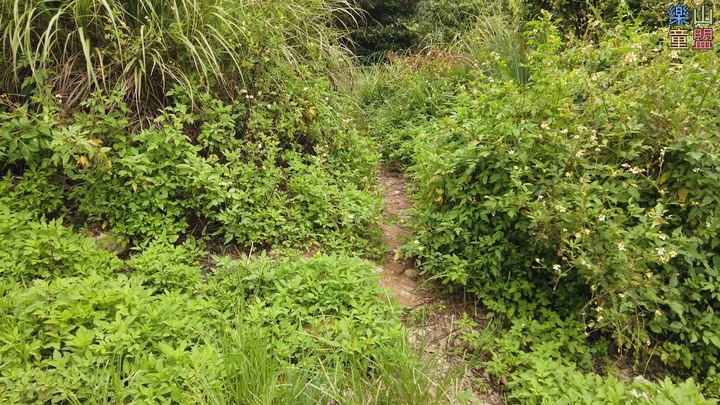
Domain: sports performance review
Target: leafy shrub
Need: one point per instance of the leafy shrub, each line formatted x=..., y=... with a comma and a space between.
x=542, y=361
x=45, y=249
x=591, y=192
x=267, y=170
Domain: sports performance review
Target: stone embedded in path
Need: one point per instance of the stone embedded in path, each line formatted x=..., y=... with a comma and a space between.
x=411, y=273
x=394, y=267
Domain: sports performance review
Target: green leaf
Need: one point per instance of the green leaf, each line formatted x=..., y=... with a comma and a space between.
x=83, y=337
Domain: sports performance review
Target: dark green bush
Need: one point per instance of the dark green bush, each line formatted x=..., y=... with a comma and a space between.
x=592, y=191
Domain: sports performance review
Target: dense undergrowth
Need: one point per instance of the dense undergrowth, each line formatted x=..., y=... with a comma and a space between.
x=571, y=184
x=150, y=149
x=79, y=326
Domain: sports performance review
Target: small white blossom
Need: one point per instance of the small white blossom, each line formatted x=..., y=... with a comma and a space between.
x=662, y=236
x=545, y=126
x=630, y=57
x=511, y=152
x=621, y=246
x=601, y=218
x=556, y=267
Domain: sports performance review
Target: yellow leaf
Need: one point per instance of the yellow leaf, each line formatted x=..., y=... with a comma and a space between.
x=83, y=161
x=664, y=177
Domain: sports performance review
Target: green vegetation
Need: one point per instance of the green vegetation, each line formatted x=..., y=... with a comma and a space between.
x=167, y=166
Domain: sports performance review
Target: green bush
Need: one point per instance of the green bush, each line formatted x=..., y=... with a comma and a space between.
x=592, y=191
x=275, y=168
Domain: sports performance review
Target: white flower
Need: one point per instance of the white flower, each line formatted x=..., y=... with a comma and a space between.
x=556, y=267
x=511, y=152
x=561, y=209
x=630, y=57
x=621, y=246
x=351, y=216
x=545, y=126
x=564, y=131
x=662, y=236
x=674, y=55
x=577, y=137
x=621, y=295
x=581, y=128
x=601, y=218
x=695, y=170
x=660, y=251
x=579, y=153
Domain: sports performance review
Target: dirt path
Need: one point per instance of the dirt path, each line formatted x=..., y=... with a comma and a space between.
x=438, y=330
x=398, y=276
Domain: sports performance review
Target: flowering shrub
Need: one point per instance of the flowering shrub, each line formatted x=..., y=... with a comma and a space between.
x=592, y=191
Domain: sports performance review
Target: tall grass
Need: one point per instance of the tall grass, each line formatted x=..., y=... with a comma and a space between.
x=144, y=47
x=238, y=369
x=499, y=32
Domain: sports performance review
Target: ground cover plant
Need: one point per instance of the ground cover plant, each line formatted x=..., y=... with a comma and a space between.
x=167, y=330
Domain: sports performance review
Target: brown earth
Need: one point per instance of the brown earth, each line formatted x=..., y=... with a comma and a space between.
x=399, y=276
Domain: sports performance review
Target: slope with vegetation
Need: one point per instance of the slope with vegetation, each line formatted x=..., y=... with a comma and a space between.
x=187, y=136
x=569, y=183
x=167, y=165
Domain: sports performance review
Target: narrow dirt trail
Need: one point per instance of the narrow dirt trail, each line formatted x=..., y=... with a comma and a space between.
x=398, y=276
x=438, y=331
